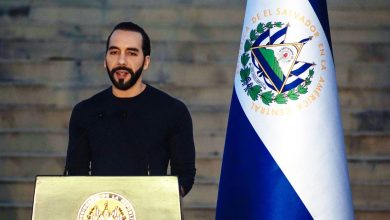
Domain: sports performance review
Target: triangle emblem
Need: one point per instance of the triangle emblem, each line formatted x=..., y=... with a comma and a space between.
x=277, y=61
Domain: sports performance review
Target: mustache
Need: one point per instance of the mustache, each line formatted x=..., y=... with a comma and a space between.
x=122, y=68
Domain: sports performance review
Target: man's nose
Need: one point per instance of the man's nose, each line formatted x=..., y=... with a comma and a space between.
x=122, y=59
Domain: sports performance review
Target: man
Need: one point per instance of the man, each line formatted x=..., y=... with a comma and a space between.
x=131, y=128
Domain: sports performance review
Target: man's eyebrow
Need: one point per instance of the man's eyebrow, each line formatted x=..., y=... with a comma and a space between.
x=133, y=49
x=113, y=48
x=129, y=48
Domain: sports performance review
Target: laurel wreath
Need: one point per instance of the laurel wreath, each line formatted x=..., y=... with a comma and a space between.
x=256, y=91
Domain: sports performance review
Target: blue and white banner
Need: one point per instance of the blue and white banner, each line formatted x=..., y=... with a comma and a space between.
x=284, y=154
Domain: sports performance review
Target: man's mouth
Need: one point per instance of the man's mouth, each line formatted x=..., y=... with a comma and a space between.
x=121, y=74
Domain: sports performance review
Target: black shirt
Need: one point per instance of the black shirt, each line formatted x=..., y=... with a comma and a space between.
x=110, y=136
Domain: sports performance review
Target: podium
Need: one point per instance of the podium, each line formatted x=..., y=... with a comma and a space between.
x=106, y=198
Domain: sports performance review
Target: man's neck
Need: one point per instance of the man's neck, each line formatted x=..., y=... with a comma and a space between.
x=132, y=92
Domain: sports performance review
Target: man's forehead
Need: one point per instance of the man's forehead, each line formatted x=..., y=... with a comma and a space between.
x=124, y=38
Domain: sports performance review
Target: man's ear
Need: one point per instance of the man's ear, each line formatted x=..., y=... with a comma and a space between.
x=146, y=62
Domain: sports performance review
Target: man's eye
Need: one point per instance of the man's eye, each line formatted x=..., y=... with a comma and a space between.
x=132, y=53
x=114, y=52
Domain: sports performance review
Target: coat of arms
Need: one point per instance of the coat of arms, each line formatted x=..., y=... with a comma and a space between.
x=106, y=206
x=270, y=66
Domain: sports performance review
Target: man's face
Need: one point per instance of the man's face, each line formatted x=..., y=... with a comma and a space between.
x=124, y=59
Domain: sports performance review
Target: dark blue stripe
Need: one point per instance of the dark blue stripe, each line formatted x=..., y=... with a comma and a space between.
x=321, y=10
x=301, y=69
x=277, y=35
x=275, y=79
x=305, y=40
x=252, y=186
x=292, y=85
x=262, y=37
x=269, y=85
x=255, y=62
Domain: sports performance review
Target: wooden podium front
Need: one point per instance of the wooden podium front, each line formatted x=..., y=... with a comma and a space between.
x=106, y=198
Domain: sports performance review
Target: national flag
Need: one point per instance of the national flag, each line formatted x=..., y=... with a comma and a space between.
x=284, y=154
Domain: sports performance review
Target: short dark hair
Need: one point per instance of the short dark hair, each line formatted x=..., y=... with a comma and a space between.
x=130, y=26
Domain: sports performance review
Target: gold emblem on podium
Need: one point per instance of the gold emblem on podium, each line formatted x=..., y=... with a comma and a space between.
x=106, y=206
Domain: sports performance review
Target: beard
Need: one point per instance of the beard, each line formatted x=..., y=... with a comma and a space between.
x=121, y=84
